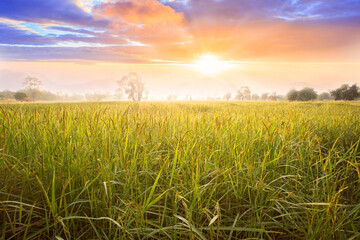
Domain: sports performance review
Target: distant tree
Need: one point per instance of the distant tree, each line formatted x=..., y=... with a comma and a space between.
x=96, y=96
x=273, y=96
x=32, y=82
x=49, y=96
x=264, y=96
x=324, y=96
x=307, y=94
x=64, y=97
x=172, y=98
x=227, y=96
x=76, y=97
x=36, y=94
x=6, y=95
x=133, y=86
x=255, y=97
x=20, y=96
x=346, y=92
x=292, y=95
x=32, y=86
x=243, y=93
x=281, y=97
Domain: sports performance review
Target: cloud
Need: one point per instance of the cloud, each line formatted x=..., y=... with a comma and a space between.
x=123, y=54
x=15, y=33
x=262, y=30
x=11, y=35
x=146, y=21
x=140, y=12
x=295, y=10
x=180, y=30
x=49, y=11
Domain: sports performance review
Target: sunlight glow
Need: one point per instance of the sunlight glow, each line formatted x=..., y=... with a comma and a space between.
x=210, y=65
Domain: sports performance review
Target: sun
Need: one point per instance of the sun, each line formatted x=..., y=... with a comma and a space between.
x=210, y=65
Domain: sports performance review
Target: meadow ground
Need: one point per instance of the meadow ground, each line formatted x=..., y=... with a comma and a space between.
x=180, y=170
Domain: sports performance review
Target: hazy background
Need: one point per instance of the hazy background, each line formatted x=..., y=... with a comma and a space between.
x=181, y=80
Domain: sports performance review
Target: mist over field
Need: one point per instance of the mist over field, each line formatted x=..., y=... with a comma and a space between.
x=180, y=80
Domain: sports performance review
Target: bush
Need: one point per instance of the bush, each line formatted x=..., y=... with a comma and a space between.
x=292, y=95
x=20, y=96
x=324, y=96
x=346, y=92
x=305, y=94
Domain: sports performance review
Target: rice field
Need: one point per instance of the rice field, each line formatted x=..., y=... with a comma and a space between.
x=223, y=170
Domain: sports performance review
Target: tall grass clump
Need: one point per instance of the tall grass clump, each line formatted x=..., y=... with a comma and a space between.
x=180, y=171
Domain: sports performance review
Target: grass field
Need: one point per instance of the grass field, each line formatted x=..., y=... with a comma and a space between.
x=180, y=171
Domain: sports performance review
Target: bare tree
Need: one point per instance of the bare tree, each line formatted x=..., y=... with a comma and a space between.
x=32, y=86
x=255, y=97
x=273, y=96
x=243, y=93
x=227, y=96
x=264, y=96
x=133, y=86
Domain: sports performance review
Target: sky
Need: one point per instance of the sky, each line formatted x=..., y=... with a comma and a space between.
x=87, y=45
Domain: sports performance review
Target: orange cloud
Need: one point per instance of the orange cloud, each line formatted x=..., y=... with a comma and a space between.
x=141, y=31
x=145, y=21
x=269, y=41
x=219, y=29
x=148, y=12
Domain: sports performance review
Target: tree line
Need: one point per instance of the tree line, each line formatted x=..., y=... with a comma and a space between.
x=345, y=92
x=245, y=94
x=133, y=87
